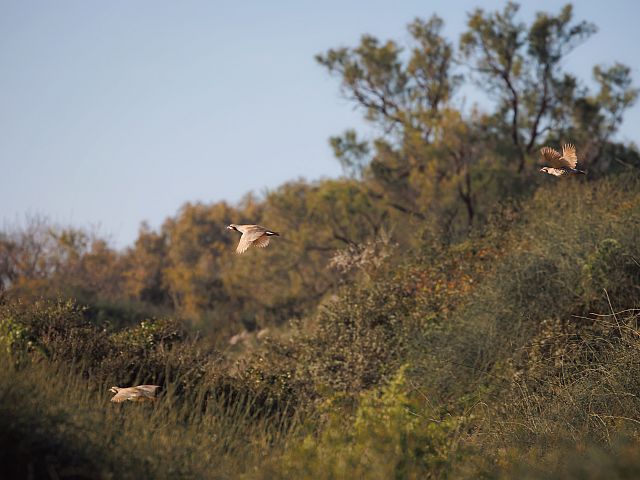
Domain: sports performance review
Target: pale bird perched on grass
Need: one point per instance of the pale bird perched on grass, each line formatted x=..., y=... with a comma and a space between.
x=252, y=235
x=564, y=164
x=141, y=393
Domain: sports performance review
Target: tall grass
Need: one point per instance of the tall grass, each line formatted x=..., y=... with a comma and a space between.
x=555, y=262
x=55, y=420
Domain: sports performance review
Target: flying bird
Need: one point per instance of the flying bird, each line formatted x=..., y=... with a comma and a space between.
x=141, y=393
x=252, y=235
x=564, y=164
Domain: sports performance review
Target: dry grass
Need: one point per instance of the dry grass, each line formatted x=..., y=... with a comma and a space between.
x=54, y=420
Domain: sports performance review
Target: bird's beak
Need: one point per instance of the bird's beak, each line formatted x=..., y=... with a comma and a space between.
x=229, y=227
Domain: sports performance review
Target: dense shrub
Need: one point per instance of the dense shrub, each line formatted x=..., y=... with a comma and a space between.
x=61, y=331
x=55, y=329
x=391, y=434
x=360, y=338
x=504, y=363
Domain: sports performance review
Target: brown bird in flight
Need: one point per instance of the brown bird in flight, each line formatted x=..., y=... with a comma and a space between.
x=252, y=235
x=141, y=393
x=564, y=164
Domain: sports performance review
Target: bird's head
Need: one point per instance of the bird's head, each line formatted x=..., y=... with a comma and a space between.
x=232, y=226
x=114, y=389
x=544, y=170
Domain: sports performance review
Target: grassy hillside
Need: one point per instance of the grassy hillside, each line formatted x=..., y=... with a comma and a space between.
x=512, y=353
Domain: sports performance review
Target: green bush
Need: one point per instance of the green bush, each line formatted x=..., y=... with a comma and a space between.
x=360, y=338
x=55, y=329
x=612, y=268
x=61, y=331
x=391, y=434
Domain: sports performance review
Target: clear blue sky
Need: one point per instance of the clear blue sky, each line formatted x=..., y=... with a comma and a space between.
x=115, y=112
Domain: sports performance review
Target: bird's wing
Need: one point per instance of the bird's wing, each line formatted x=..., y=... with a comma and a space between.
x=148, y=389
x=262, y=242
x=250, y=233
x=125, y=394
x=558, y=172
x=243, y=244
x=569, y=155
x=553, y=157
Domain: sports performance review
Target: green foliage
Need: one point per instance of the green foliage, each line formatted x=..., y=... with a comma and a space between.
x=522, y=66
x=61, y=331
x=147, y=334
x=360, y=338
x=57, y=330
x=392, y=434
x=434, y=162
x=612, y=268
x=539, y=274
x=351, y=153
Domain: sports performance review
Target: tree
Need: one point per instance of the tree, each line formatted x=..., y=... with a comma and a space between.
x=145, y=264
x=595, y=118
x=196, y=242
x=522, y=67
x=404, y=99
x=433, y=160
